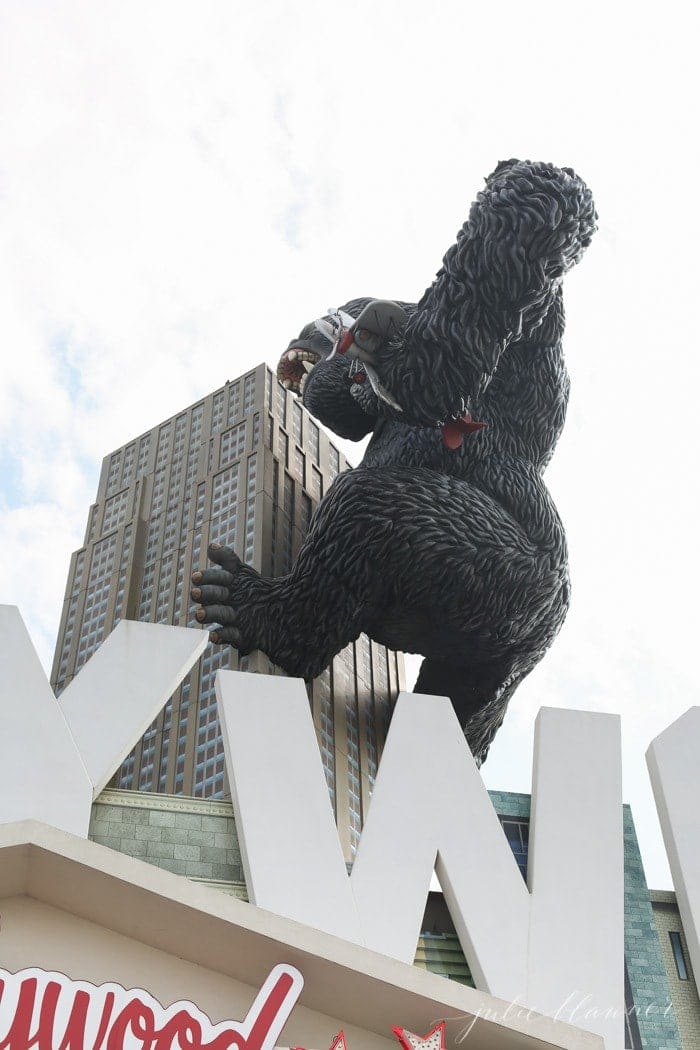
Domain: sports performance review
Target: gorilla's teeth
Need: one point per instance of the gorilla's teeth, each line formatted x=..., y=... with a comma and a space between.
x=303, y=383
x=308, y=366
x=291, y=355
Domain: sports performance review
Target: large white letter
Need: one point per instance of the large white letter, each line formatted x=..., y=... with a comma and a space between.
x=290, y=849
x=576, y=871
x=56, y=756
x=429, y=811
x=673, y=760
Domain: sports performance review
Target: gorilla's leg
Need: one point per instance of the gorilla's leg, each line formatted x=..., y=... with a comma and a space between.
x=393, y=548
x=479, y=695
x=301, y=620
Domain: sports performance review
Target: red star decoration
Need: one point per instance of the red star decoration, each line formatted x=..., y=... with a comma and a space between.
x=434, y=1040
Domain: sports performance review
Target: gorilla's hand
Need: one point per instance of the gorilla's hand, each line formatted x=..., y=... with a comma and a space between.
x=226, y=596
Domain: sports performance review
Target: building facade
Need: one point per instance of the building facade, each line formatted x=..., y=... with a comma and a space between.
x=245, y=466
x=682, y=982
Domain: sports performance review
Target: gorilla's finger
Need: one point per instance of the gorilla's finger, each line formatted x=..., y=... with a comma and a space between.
x=227, y=636
x=222, y=614
x=211, y=595
x=225, y=557
x=218, y=577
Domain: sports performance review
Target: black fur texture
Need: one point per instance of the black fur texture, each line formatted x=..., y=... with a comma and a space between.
x=456, y=554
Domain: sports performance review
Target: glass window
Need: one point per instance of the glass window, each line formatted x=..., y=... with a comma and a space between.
x=93, y=522
x=115, y=510
x=275, y=516
x=144, y=449
x=163, y=445
x=223, y=507
x=281, y=403
x=299, y=463
x=517, y=832
x=249, y=393
x=114, y=472
x=333, y=462
x=249, y=532
x=196, y=428
x=158, y=492
x=679, y=957
x=297, y=416
x=234, y=402
x=128, y=468
x=316, y=483
x=251, y=478
x=305, y=514
x=314, y=441
x=217, y=411
x=232, y=445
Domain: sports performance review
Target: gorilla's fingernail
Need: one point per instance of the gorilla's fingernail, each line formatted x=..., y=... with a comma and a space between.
x=196, y=593
x=200, y=614
x=213, y=637
x=215, y=547
x=196, y=577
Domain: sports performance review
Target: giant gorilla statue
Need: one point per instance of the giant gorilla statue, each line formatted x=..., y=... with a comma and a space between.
x=444, y=541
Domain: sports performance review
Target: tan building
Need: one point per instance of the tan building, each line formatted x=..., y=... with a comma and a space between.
x=681, y=979
x=245, y=466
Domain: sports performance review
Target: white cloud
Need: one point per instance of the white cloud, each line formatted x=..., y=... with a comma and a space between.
x=181, y=189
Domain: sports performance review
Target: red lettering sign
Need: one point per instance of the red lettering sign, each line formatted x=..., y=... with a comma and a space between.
x=49, y=1011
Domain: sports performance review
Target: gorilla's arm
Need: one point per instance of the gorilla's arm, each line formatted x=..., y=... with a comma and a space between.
x=530, y=224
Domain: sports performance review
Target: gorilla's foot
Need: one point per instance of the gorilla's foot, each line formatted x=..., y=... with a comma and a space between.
x=479, y=694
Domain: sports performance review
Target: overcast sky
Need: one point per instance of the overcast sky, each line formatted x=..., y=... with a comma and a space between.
x=184, y=185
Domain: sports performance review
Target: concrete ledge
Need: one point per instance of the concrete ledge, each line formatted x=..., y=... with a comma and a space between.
x=663, y=897
x=167, y=803
x=218, y=932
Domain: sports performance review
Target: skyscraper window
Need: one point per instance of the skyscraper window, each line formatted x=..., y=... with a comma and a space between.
x=234, y=401
x=163, y=445
x=678, y=955
x=129, y=462
x=232, y=445
x=115, y=511
x=217, y=412
x=297, y=417
x=333, y=462
x=114, y=472
x=517, y=832
x=144, y=449
x=314, y=442
x=249, y=394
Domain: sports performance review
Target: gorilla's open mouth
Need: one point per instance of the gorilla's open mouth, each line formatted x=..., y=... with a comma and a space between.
x=294, y=366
